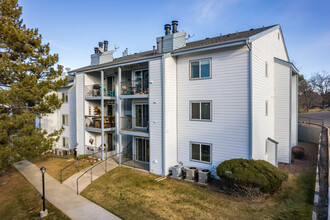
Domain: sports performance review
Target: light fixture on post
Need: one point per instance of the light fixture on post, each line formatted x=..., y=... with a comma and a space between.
x=44, y=211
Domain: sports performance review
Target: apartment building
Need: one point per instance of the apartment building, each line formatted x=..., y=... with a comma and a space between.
x=197, y=103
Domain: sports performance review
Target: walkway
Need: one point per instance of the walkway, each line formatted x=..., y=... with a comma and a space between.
x=62, y=196
x=85, y=180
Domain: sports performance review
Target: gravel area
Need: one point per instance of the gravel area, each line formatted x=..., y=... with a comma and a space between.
x=305, y=165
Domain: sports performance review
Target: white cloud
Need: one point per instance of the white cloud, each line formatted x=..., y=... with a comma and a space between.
x=208, y=10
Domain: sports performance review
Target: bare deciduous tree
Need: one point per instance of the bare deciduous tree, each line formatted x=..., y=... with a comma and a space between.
x=321, y=85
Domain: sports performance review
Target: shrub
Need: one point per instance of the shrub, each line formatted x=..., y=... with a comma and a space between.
x=252, y=173
x=82, y=156
x=298, y=152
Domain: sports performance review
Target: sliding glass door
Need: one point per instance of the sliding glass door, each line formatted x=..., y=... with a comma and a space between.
x=141, y=115
x=141, y=78
x=142, y=149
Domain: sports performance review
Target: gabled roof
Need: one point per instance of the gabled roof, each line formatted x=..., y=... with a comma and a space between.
x=208, y=42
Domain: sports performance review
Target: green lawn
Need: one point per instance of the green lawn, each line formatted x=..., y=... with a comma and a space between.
x=55, y=164
x=133, y=194
x=20, y=200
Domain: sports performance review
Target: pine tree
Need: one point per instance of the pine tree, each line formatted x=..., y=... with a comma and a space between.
x=28, y=80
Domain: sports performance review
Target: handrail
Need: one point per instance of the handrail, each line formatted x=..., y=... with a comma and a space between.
x=61, y=171
x=91, y=169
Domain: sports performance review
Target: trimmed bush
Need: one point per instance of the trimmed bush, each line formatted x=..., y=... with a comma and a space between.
x=298, y=152
x=82, y=156
x=252, y=173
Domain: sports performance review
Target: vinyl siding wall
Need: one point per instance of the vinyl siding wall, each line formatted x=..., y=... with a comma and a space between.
x=80, y=113
x=155, y=116
x=171, y=113
x=264, y=49
x=228, y=91
x=294, y=112
x=282, y=111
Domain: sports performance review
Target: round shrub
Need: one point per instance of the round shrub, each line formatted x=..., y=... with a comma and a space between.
x=252, y=173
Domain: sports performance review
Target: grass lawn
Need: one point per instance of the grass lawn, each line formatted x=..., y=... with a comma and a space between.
x=133, y=194
x=54, y=165
x=20, y=200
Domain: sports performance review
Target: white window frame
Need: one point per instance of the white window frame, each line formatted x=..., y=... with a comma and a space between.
x=68, y=142
x=144, y=141
x=200, y=110
x=142, y=79
x=63, y=119
x=200, y=152
x=200, y=67
x=142, y=104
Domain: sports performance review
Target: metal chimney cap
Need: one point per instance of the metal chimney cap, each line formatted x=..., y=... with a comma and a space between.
x=175, y=22
x=167, y=26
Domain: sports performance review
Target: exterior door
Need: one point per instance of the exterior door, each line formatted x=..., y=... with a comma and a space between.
x=111, y=142
x=142, y=149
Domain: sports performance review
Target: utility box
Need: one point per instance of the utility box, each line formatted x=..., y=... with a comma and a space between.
x=191, y=174
x=204, y=176
x=177, y=171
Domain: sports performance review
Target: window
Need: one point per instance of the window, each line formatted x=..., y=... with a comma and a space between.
x=141, y=78
x=200, y=69
x=141, y=115
x=266, y=108
x=66, y=142
x=266, y=69
x=200, y=152
x=200, y=110
x=65, y=97
x=65, y=120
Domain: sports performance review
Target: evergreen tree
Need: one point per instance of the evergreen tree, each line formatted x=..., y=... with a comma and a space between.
x=28, y=80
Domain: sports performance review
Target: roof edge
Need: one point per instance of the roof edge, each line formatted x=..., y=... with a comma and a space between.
x=286, y=63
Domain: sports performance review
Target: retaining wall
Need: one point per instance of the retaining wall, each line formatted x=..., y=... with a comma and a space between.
x=309, y=133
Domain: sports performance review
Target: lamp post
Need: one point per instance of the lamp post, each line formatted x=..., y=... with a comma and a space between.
x=44, y=211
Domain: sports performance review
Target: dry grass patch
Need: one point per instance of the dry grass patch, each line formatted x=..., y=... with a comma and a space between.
x=55, y=164
x=133, y=194
x=20, y=200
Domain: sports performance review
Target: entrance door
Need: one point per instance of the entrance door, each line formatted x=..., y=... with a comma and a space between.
x=142, y=149
x=111, y=142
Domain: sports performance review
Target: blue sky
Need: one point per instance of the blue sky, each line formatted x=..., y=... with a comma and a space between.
x=74, y=27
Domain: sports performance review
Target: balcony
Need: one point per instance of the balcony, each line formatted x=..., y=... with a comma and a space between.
x=134, y=126
x=93, y=92
x=133, y=90
x=93, y=123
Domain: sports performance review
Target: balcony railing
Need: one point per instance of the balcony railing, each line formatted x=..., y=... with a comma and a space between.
x=135, y=125
x=94, y=121
x=95, y=91
x=129, y=88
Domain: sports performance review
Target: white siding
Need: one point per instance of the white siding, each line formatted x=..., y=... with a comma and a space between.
x=72, y=116
x=282, y=111
x=80, y=113
x=294, y=113
x=264, y=49
x=155, y=116
x=171, y=113
x=228, y=132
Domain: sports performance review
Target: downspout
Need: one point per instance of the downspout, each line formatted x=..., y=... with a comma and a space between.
x=163, y=116
x=249, y=45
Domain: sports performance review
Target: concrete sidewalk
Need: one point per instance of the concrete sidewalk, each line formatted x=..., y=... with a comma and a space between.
x=62, y=196
x=85, y=180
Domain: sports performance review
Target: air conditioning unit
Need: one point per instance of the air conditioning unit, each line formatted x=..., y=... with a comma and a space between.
x=177, y=171
x=191, y=174
x=204, y=176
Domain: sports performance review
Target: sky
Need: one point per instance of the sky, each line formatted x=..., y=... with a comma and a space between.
x=74, y=27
